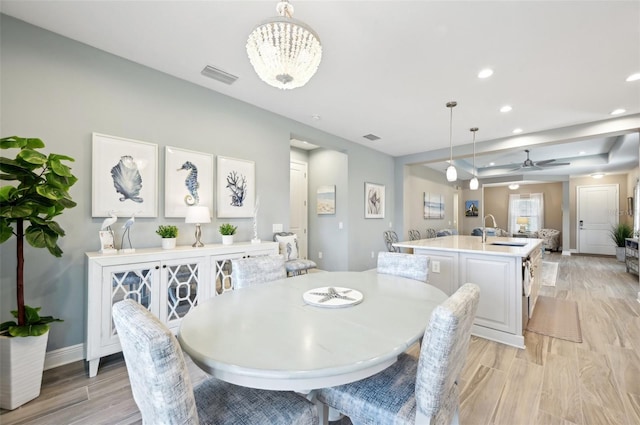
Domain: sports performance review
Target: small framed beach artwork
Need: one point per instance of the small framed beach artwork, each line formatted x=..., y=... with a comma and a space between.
x=471, y=208
x=188, y=180
x=326, y=200
x=373, y=200
x=236, y=188
x=433, y=206
x=124, y=177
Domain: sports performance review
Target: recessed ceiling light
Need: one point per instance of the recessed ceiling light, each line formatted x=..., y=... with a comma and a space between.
x=485, y=73
x=618, y=111
x=517, y=131
x=597, y=175
x=634, y=77
x=506, y=108
x=316, y=117
x=491, y=164
x=514, y=186
x=582, y=153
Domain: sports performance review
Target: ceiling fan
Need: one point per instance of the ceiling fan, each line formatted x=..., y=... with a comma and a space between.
x=529, y=165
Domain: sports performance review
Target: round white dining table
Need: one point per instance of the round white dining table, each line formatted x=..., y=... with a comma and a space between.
x=266, y=336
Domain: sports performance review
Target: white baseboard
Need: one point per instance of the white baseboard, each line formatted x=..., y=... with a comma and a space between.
x=63, y=356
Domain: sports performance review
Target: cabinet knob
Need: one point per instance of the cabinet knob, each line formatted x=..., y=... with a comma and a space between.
x=164, y=266
x=157, y=267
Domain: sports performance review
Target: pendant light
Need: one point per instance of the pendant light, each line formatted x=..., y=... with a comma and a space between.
x=452, y=174
x=473, y=184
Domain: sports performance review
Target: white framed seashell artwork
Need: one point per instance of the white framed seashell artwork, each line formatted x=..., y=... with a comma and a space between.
x=188, y=180
x=124, y=177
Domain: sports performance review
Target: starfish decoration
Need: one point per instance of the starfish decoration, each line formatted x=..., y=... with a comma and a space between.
x=332, y=294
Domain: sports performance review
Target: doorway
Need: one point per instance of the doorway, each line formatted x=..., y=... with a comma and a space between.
x=597, y=212
x=298, y=204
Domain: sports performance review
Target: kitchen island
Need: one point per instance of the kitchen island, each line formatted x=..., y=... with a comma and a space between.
x=506, y=269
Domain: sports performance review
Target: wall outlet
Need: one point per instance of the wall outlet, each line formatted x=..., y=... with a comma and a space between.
x=435, y=266
x=390, y=225
x=373, y=254
x=277, y=228
x=340, y=226
x=320, y=254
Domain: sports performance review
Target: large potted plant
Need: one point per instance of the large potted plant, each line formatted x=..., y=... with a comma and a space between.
x=34, y=192
x=619, y=234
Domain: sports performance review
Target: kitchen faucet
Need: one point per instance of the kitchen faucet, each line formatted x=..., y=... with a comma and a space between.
x=484, y=230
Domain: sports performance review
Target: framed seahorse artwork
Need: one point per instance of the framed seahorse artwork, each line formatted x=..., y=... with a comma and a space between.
x=188, y=180
x=236, y=187
x=124, y=177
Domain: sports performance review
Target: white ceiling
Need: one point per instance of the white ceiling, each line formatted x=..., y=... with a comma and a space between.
x=389, y=67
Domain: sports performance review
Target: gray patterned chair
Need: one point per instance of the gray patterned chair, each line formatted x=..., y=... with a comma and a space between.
x=163, y=391
x=446, y=232
x=551, y=238
x=253, y=270
x=491, y=231
x=405, y=265
x=390, y=237
x=414, y=235
x=416, y=391
x=295, y=265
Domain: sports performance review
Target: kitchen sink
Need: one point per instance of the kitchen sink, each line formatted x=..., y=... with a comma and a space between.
x=520, y=244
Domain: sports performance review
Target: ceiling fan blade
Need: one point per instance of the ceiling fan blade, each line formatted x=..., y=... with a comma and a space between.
x=553, y=164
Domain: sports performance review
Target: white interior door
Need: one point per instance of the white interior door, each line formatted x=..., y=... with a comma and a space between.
x=298, y=204
x=597, y=213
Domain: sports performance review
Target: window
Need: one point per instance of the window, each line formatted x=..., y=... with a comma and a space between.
x=529, y=207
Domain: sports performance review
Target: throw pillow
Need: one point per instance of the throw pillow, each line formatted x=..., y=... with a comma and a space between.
x=288, y=246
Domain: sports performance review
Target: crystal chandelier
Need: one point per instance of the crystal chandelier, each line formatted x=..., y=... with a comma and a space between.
x=452, y=174
x=473, y=184
x=284, y=52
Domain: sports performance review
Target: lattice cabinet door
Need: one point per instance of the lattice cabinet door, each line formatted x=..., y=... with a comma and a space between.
x=136, y=281
x=183, y=286
x=221, y=271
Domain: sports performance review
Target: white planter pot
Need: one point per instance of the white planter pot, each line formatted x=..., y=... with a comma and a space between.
x=168, y=243
x=620, y=253
x=21, y=366
x=227, y=239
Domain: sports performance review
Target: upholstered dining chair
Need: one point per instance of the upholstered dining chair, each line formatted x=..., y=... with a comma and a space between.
x=414, y=235
x=430, y=233
x=253, y=270
x=416, y=391
x=390, y=237
x=162, y=387
x=288, y=245
x=411, y=266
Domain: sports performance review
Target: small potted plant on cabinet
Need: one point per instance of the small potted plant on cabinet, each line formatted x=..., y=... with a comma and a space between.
x=227, y=231
x=168, y=233
x=619, y=234
x=35, y=193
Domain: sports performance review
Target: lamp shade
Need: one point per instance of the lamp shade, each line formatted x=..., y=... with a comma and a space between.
x=197, y=215
x=522, y=220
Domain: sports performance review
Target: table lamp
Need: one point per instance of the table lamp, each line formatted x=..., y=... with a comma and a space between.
x=522, y=221
x=197, y=215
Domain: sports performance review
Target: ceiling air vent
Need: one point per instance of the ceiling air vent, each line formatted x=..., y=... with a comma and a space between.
x=371, y=137
x=218, y=74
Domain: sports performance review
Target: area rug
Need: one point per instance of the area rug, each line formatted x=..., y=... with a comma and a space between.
x=549, y=273
x=556, y=318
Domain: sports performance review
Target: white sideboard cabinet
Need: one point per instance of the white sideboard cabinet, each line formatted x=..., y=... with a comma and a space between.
x=168, y=282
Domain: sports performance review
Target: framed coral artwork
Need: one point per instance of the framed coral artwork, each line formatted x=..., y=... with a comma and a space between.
x=188, y=180
x=236, y=187
x=124, y=177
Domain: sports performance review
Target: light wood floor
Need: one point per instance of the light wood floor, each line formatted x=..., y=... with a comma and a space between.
x=551, y=382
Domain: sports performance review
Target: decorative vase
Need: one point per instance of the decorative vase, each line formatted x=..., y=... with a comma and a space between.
x=21, y=366
x=168, y=243
x=227, y=239
x=620, y=253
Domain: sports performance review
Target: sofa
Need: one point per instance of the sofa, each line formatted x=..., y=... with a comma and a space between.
x=491, y=231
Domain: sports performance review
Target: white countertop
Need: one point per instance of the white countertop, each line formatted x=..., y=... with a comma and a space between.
x=473, y=244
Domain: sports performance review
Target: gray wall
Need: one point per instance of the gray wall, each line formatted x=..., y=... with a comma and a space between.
x=62, y=91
